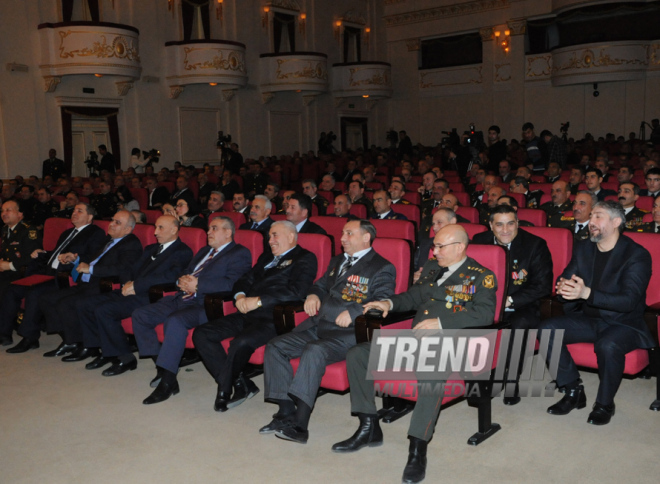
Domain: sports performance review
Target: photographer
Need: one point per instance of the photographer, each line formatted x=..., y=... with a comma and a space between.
x=107, y=160
x=135, y=162
x=496, y=148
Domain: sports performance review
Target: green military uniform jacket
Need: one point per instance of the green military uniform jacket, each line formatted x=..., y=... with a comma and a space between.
x=634, y=218
x=19, y=244
x=555, y=213
x=466, y=299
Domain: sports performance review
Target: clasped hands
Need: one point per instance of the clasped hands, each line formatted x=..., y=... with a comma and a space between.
x=187, y=284
x=246, y=304
x=313, y=304
x=573, y=288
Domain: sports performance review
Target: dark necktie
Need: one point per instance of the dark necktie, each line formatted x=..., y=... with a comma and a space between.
x=441, y=272
x=657, y=229
x=274, y=262
x=208, y=260
x=348, y=263
x=255, y=225
x=158, y=252
x=64, y=245
x=579, y=227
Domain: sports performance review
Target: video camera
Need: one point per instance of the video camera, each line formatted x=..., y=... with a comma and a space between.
x=152, y=155
x=223, y=140
x=92, y=160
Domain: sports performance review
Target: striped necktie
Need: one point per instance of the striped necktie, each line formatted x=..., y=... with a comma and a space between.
x=206, y=262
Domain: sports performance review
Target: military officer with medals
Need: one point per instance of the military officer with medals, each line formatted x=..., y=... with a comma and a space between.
x=521, y=185
x=530, y=267
x=19, y=240
x=45, y=209
x=578, y=223
x=357, y=276
x=628, y=196
x=453, y=292
x=560, y=203
x=652, y=227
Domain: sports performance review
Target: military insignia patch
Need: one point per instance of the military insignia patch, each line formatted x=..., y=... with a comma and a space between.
x=489, y=281
x=32, y=234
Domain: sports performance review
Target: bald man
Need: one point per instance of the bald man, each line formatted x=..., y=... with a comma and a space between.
x=435, y=298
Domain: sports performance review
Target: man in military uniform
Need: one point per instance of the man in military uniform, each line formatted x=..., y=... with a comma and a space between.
x=560, y=203
x=435, y=297
x=485, y=209
x=342, y=208
x=440, y=188
x=521, y=185
x=105, y=202
x=593, y=180
x=46, y=208
x=397, y=191
x=578, y=224
x=628, y=196
x=530, y=267
x=625, y=174
x=383, y=207
x=19, y=240
x=67, y=205
x=28, y=203
x=255, y=181
x=356, y=194
x=310, y=189
x=554, y=172
x=513, y=203
x=426, y=188
x=652, y=227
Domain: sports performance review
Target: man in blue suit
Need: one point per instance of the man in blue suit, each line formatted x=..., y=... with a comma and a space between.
x=101, y=315
x=604, y=294
x=213, y=269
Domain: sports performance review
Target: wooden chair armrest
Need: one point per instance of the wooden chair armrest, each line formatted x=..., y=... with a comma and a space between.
x=214, y=304
x=367, y=323
x=157, y=292
x=108, y=282
x=62, y=279
x=284, y=316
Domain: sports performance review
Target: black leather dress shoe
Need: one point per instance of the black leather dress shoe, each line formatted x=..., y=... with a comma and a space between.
x=23, y=346
x=244, y=388
x=163, y=391
x=368, y=434
x=82, y=354
x=98, y=362
x=61, y=350
x=655, y=406
x=510, y=401
x=574, y=398
x=274, y=425
x=6, y=340
x=221, y=399
x=415, y=469
x=293, y=433
x=156, y=380
x=601, y=414
x=119, y=367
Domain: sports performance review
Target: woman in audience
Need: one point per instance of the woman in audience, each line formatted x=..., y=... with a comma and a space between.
x=189, y=215
x=168, y=209
x=126, y=200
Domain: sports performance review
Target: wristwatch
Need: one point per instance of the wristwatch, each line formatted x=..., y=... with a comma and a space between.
x=259, y=302
x=509, y=299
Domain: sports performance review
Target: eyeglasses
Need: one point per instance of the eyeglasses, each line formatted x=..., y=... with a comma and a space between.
x=179, y=205
x=442, y=246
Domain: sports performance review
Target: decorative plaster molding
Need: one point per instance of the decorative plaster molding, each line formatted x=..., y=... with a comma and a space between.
x=455, y=10
x=14, y=67
x=228, y=95
x=539, y=66
x=487, y=33
x=451, y=77
x=123, y=87
x=339, y=101
x=285, y=4
x=413, y=44
x=175, y=91
x=502, y=72
x=267, y=97
x=517, y=26
x=51, y=82
x=354, y=17
x=308, y=99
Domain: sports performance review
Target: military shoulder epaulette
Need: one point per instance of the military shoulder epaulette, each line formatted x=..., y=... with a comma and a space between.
x=477, y=269
x=565, y=218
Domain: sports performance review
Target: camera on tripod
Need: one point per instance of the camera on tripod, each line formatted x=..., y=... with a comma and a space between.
x=92, y=160
x=152, y=155
x=223, y=140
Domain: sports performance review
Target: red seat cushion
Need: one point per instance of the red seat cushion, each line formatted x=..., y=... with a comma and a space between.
x=583, y=355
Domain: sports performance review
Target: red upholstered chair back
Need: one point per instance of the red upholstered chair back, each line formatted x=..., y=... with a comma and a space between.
x=647, y=218
x=395, y=229
x=321, y=246
x=534, y=215
x=463, y=198
x=53, y=228
x=333, y=226
x=413, y=197
x=645, y=203
x=544, y=187
x=328, y=195
x=470, y=213
x=651, y=242
x=560, y=243
x=473, y=229
x=410, y=211
x=228, y=206
x=520, y=198
x=142, y=197
x=493, y=257
x=104, y=224
x=152, y=215
x=193, y=237
x=145, y=233
x=398, y=252
x=167, y=184
x=237, y=218
x=278, y=216
x=251, y=239
x=456, y=187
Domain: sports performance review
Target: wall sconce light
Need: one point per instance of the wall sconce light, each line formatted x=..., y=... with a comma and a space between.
x=503, y=40
x=218, y=10
x=264, y=17
x=302, y=22
x=213, y=83
x=98, y=75
x=169, y=5
x=366, y=96
x=367, y=31
x=337, y=29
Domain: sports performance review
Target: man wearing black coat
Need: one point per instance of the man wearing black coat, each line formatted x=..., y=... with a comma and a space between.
x=157, y=195
x=298, y=211
x=107, y=160
x=100, y=316
x=604, y=293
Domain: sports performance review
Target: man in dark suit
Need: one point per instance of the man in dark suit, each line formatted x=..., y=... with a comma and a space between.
x=311, y=190
x=107, y=160
x=157, y=195
x=213, y=269
x=259, y=216
x=240, y=204
x=298, y=211
x=19, y=240
x=205, y=189
x=183, y=191
x=604, y=294
x=359, y=274
x=577, y=177
x=52, y=166
x=214, y=204
x=282, y=275
x=45, y=209
x=255, y=181
x=530, y=267
x=443, y=216
x=383, y=207
x=357, y=196
x=593, y=179
x=228, y=186
x=652, y=181
x=436, y=299
x=342, y=208
x=105, y=202
x=101, y=315
x=121, y=251
x=628, y=196
x=87, y=240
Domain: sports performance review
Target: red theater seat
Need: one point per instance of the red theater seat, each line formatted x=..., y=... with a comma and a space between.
x=534, y=215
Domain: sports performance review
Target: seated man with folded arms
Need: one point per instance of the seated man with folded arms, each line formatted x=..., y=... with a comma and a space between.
x=101, y=315
x=604, y=293
x=215, y=268
x=428, y=296
x=356, y=276
x=282, y=275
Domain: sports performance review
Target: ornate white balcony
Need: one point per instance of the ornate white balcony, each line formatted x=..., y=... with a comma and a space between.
x=100, y=48
x=304, y=72
x=369, y=80
x=214, y=62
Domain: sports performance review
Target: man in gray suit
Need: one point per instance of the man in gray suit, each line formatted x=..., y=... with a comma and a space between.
x=358, y=276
